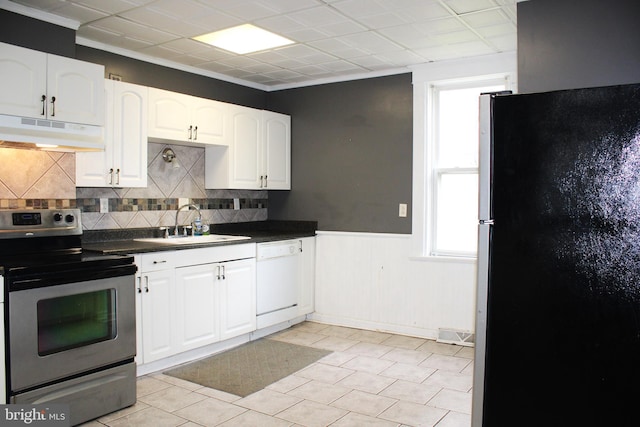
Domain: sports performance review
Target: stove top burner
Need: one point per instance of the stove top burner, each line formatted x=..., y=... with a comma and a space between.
x=44, y=246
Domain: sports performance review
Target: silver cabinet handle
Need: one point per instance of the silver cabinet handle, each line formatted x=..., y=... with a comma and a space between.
x=223, y=272
x=195, y=133
x=111, y=176
x=44, y=104
x=139, y=285
x=53, y=106
x=266, y=183
x=160, y=262
x=261, y=181
x=190, y=131
x=146, y=288
x=118, y=176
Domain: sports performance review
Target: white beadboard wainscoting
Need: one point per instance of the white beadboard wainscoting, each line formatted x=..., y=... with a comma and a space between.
x=371, y=281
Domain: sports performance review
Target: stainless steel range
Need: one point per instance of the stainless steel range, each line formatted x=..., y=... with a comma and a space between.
x=70, y=316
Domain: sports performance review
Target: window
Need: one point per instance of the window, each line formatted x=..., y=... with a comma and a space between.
x=453, y=167
x=445, y=191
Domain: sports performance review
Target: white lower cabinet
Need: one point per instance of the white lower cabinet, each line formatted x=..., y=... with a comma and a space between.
x=196, y=299
x=191, y=298
x=237, y=298
x=155, y=297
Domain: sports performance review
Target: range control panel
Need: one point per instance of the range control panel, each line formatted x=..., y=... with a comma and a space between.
x=39, y=222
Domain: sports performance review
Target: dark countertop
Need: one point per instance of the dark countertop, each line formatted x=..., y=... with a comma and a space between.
x=121, y=242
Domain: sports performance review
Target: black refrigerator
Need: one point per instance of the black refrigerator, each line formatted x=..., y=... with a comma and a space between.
x=558, y=314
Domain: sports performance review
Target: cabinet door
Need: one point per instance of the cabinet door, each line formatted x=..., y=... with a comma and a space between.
x=209, y=120
x=23, y=81
x=93, y=168
x=196, y=302
x=238, y=298
x=276, y=151
x=306, y=282
x=245, y=148
x=123, y=163
x=78, y=89
x=158, y=315
x=130, y=135
x=169, y=115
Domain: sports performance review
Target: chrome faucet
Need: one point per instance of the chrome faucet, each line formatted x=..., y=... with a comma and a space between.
x=175, y=231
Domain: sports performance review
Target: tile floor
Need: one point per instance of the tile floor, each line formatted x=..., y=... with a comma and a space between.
x=370, y=379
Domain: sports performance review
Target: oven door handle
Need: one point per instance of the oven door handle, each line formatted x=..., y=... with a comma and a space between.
x=40, y=279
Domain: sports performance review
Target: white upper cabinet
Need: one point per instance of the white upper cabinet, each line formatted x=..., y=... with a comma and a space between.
x=186, y=119
x=123, y=163
x=246, y=141
x=276, y=151
x=40, y=85
x=258, y=155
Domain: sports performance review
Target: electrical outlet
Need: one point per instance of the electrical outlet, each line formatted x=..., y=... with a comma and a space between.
x=104, y=205
x=236, y=204
x=402, y=210
x=183, y=201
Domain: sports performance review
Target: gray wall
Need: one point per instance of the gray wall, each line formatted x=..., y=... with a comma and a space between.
x=568, y=44
x=34, y=34
x=351, y=154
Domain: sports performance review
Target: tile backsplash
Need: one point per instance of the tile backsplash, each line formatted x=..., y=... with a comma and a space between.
x=46, y=180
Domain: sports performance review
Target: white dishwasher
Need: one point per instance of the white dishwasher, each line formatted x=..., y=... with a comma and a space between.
x=278, y=271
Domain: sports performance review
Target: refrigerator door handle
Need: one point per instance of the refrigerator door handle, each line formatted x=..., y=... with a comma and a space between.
x=485, y=158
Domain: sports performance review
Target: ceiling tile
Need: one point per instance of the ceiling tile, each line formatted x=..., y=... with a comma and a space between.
x=465, y=6
x=134, y=30
x=371, y=62
x=154, y=19
x=183, y=9
x=370, y=42
x=284, y=6
x=80, y=13
x=358, y=8
x=498, y=30
x=306, y=35
x=487, y=18
x=382, y=20
x=280, y=24
x=339, y=66
x=401, y=58
x=112, y=6
x=342, y=28
x=239, y=61
x=310, y=70
x=317, y=16
x=261, y=68
x=422, y=11
x=250, y=11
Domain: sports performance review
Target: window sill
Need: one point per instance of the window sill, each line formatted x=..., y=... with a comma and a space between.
x=444, y=259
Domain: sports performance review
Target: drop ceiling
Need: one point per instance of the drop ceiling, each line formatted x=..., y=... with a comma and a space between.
x=334, y=39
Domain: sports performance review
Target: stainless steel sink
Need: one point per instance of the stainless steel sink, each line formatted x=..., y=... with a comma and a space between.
x=190, y=240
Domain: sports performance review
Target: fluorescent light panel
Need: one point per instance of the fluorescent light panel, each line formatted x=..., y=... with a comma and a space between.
x=243, y=39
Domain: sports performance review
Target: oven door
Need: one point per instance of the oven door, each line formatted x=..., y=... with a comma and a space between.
x=66, y=329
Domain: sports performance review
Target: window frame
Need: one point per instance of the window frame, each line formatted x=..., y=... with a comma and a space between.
x=469, y=70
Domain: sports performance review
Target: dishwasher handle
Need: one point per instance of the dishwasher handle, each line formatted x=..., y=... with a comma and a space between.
x=278, y=249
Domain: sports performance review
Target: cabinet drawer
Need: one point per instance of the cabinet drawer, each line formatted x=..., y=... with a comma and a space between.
x=157, y=261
